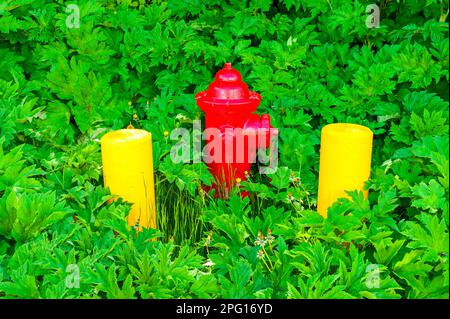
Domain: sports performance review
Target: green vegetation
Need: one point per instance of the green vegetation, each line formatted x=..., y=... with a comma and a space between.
x=314, y=62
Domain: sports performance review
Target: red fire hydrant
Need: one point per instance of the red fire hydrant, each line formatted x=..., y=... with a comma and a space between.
x=233, y=133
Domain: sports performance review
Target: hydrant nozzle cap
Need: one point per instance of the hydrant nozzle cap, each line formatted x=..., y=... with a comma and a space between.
x=228, y=89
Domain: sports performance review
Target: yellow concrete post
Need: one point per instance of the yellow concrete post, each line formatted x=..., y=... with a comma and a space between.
x=128, y=172
x=345, y=158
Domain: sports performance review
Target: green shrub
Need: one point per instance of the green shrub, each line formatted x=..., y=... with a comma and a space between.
x=313, y=62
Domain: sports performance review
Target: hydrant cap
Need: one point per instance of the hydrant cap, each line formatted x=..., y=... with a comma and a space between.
x=228, y=89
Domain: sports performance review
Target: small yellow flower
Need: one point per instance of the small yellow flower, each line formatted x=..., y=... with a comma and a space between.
x=208, y=240
x=246, y=173
x=166, y=133
x=135, y=116
x=238, y=180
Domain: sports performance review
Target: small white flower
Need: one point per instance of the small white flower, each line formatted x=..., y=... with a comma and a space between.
x=209, y=263
x=260, y=254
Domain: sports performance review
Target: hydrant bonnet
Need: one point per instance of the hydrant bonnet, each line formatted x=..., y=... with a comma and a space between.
x=229, y=93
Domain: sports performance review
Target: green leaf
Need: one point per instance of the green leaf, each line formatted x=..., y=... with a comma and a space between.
x=22, y=285
x=106, y=280
x=413, y=270
x=33, y=213
x=386, y=250
x=240, y=273
x=415, y=65
x=429, y=196
x=293, y=293
x=433, y=123
x=280, y=179
x=57, y=122
x=431, y=235
x=417, y=102
x=205, y=287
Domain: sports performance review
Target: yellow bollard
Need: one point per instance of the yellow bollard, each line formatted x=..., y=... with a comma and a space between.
x=345, y=157
x=128, y=172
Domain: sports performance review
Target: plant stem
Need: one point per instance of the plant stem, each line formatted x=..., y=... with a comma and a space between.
x=268, y=268
x=265, y=252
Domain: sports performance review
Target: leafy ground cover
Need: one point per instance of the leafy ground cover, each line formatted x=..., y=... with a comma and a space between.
x=141, y=62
